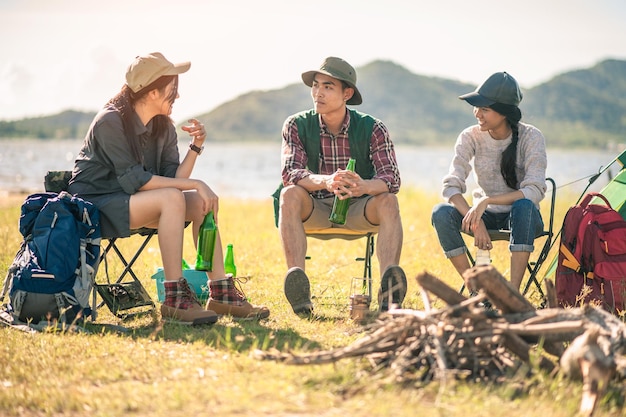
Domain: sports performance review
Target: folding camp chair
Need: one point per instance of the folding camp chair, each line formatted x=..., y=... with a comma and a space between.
x=339, y=233
x=122, y=296
x=346, y=234
x=533, y=266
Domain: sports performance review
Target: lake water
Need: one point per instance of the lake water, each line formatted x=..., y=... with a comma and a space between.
x=252, y=171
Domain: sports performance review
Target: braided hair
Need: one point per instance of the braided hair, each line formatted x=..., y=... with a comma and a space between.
x=509, y=156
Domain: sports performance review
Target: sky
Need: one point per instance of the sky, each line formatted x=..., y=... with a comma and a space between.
x=60, y=54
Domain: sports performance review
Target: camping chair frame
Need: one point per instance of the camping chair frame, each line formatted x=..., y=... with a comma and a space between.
x=123, y=297
x=533, y=266
x=346, y=234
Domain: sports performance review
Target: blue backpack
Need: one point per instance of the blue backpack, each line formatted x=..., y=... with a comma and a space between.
x=53, y=273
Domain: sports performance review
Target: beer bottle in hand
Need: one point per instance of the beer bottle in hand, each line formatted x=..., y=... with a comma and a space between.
x=340, y=207
x=206, y=243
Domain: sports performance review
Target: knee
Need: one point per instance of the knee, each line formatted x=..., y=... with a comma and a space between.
x=388, y=203
x=173, y=198
x=440, y=213
x=522, y=206
x=292, y=197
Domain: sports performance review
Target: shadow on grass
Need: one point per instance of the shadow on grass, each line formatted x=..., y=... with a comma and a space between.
x=227, y=334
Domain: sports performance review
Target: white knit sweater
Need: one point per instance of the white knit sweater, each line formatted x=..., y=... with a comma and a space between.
x=486, y=152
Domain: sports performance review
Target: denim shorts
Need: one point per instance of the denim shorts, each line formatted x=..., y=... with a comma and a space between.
x=524, y=221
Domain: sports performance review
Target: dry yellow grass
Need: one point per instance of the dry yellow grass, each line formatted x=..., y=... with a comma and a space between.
x=170, y=370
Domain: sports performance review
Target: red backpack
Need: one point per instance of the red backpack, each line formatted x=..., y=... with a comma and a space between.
x=592, y=256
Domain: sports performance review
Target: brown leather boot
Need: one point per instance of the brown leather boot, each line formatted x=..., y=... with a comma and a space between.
x=226, y=299
x=182, y=305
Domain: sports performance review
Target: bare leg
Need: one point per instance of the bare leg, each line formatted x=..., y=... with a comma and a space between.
x=460, y=263
x=384, y=210
x=163, y=209
x=519, y=260
x=196, y=216
x=295, y=206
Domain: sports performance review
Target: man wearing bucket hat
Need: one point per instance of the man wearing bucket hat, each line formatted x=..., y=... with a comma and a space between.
x=129, y=167
x=509, y=167
x=316, y=147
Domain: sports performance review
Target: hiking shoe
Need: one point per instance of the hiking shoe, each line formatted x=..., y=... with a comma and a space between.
x=393, y=287
x=298, y=291
x=182, y=305
x=226, y=299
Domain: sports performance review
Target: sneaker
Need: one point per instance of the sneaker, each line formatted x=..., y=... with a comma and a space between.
x=393, y=287
x=182, y=305
x=227, y=299
x=298, y=291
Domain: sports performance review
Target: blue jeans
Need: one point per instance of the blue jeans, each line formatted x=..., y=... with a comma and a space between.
x=524, y=221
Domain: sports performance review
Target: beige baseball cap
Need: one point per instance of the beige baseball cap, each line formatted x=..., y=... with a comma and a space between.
x=146, y=69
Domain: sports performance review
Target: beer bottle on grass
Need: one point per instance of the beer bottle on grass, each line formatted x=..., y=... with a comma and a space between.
x=229, y=261
x=340, y=207
x=206, y=243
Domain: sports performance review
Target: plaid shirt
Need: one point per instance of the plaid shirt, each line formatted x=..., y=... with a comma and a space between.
x=335, y=153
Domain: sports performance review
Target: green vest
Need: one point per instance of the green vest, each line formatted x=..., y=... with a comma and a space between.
x=359, y=137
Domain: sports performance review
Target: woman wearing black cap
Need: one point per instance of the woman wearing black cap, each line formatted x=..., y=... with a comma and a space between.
x=509, y=162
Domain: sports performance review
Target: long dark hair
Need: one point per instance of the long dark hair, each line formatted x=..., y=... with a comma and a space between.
x=509, y=156
x=125, y=101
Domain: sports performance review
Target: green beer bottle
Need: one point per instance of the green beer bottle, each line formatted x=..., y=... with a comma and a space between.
x=185, y=265
x=340, y=207
x=206, y=243
x=229, y=261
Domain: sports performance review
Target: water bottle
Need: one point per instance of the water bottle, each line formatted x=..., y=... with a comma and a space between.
x=206, y=243
x=229, y=261
x=340, y=207
x=483, y=257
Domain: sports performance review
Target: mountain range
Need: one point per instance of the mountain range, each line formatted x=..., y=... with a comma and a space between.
x=580, y=108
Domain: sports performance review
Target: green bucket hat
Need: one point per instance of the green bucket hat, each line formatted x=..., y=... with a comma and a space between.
x=339, y=69
x=500, y=87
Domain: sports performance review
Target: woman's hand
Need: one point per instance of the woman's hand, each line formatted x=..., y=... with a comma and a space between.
x=196, y=131
x=473, y=223
x=210, y=200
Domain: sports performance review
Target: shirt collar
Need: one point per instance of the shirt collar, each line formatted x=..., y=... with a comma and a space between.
x=344, y=126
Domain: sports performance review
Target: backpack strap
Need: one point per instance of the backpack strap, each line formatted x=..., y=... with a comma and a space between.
x=18, y=302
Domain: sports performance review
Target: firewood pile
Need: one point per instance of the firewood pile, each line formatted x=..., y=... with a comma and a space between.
x=466, y=340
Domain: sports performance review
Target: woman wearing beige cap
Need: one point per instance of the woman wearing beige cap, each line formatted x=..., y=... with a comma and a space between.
x=129, y=167
x=509, y=162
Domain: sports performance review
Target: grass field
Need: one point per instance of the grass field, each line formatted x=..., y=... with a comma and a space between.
x=157, y=369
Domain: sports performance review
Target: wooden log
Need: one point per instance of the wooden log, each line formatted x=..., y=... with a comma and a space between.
x=437, y=287
x=500, y=291
x=549, y=331
x=504, y=296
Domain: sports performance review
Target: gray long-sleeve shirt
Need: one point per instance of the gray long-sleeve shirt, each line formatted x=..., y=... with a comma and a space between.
x=486, y=153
